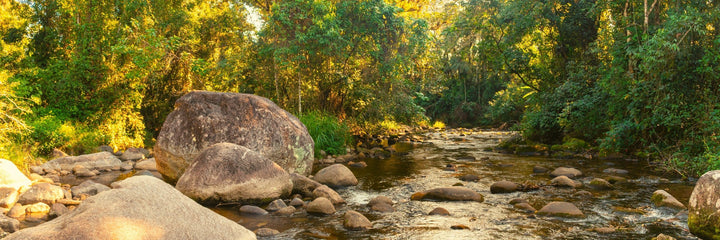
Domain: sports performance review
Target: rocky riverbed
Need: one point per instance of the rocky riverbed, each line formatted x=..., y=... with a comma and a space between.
x=609, y=199
x=437, y=185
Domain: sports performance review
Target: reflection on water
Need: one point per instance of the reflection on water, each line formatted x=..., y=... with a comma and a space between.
x=626, y=209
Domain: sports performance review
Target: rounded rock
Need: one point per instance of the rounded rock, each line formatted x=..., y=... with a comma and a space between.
x=503, y=187
x=321, y=206
x=439, y=211
x=336, y=175
x=356, y=221
x=565, y=171
x=561, y=209
x=227, y=172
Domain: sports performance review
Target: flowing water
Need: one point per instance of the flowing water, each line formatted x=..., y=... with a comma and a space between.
x=626, y=209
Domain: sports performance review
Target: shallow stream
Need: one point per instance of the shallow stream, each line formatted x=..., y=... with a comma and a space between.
x=626, y=209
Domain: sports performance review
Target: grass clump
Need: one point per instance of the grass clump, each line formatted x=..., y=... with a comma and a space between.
x=329, y=133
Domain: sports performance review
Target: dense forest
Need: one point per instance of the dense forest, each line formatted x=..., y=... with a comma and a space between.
x=636, y=77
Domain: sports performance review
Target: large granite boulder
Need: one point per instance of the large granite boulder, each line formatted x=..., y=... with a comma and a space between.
x=10, y=176
x=140, y=207
x=203, y=118
x=336, y=175
x=95, y=161
x=227, y=172
x=704, y=206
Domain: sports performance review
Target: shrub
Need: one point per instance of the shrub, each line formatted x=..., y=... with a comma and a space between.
x=50, y=132
x=330, y=135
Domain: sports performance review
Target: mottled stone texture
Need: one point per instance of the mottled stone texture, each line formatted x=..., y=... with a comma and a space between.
x=203, y=118
x=704, y=207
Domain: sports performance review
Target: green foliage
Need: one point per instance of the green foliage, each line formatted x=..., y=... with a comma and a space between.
x=329, y=133
x=50, y=132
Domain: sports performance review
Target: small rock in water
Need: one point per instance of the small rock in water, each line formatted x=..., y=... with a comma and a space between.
x=382, y=207
x=89, y=188
x=360, y=164
x=525, y=207
x=286, y=211
x=380, y=199
x=336, y=175
x=449, y=194
x=604, y=230
x=564, y=171
x=561, y=209
x=252, y=210
x=600, y=184
x=469, y=178
x=503, y=187
x=539, y=169
x=321, y=205
x=459, y=227
x=616, y=179
x=439, y=211
x=450, y=168
x=327, y=192
x=276, y=205
x=297, y=202
x=81, y=171
x=517, y=200
x=661, y=198
x=356, y=221
x=564, y=181
x=615, y=171
x=583, y=194
x=266, y=232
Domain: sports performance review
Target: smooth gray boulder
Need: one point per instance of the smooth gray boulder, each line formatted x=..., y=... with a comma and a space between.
x=140, y=207
x=203, y=118
x=227, y=172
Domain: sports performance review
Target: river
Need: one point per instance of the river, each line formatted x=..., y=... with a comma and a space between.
x=626, y=210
